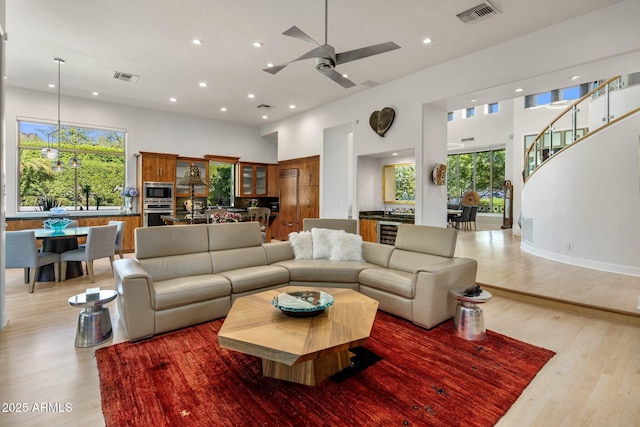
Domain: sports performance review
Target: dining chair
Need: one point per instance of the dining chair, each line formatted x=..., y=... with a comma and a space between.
x=119, y=236
x=101, y=243
x=262, y=216
x=472, y=217
x=22, y=252
x=463, y=219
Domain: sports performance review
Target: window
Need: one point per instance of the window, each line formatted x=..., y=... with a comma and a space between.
x=556, y=95
x=95, y=184
x=492, y=108
x=450, y=116
x=470, y=112
x=221, y=184
x=482, y=172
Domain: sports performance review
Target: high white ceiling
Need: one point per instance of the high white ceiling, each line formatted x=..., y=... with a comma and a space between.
x=152, y=39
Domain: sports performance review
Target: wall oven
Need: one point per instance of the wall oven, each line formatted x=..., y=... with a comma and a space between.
x=158, y=200
x=158, y=193
x=152, y=214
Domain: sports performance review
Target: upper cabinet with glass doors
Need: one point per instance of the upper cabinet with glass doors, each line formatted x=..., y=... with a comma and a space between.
x=182, y=165
x=252, y=180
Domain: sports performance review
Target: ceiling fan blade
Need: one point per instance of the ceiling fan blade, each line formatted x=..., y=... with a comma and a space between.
x=352, y=55
x=299, y=34
x=338, y=78
x=318, y=52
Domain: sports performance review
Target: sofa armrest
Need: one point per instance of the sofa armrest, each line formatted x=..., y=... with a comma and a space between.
x=134, y=286
x=278, y=251
x=432, y=303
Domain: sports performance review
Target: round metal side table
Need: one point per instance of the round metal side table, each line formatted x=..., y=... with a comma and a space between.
x=94, y=321
x=469, y=318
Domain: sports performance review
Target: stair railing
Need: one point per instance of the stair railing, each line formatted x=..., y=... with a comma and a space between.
x=538, y=152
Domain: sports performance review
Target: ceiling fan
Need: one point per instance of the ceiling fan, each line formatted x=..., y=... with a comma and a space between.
x=327, y=58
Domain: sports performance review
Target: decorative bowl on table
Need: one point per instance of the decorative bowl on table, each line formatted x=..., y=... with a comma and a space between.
x=302, y=303
x=57, y=224
x=58, y=211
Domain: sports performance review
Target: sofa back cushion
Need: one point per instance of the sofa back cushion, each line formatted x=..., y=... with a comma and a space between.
x=427, y=240
x=348, y=225
x=234, y=235
x=175, y=266
x=233, y=259
x=153, y=242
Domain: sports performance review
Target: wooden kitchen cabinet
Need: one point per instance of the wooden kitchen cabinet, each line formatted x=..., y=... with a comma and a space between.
x=182, y=165
x=299, y=194
x=156, y=167
x=251, y=180
x=369, y=230
x=272, y=181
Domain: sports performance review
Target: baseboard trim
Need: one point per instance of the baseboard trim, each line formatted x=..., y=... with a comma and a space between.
x=570, y=306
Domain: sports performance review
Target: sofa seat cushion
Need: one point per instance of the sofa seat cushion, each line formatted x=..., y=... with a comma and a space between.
x=251, y=278
x=324, y=270
x=393, y=281
x=188, y=290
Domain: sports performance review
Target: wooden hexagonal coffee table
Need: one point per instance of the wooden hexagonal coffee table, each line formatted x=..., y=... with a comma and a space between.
x=301, y=350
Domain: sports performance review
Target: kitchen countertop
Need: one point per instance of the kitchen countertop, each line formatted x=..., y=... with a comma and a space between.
x=381, y=216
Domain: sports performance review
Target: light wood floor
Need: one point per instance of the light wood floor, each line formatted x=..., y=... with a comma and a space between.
x=594, y=379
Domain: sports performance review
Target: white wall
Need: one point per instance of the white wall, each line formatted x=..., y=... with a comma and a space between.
x=582, y=204
x=147, y=130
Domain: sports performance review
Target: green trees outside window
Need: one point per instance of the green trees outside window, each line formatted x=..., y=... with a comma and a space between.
x=221, y=184
x=482, y=172
x=95, y=184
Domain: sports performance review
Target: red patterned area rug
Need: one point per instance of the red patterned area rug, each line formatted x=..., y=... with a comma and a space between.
x=411, y=377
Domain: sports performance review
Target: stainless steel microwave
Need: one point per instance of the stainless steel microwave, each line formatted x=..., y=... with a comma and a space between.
x=158, y=192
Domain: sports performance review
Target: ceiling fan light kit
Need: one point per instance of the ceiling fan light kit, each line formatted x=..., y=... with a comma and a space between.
x=327, y=58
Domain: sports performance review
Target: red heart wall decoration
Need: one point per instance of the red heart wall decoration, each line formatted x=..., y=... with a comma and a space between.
x=381, y=121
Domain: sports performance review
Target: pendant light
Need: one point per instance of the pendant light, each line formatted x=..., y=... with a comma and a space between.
x=58, y=166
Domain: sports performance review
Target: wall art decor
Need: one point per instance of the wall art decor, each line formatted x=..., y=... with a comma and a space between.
x=439, y=174
x=381, y=121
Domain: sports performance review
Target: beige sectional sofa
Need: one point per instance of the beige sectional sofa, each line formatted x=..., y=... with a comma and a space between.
x=184, y=275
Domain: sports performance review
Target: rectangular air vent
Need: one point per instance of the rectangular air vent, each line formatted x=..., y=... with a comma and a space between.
x=125, y=77
x=264, y=107
x=481, y=11
x=527, y=230
x=467, y=139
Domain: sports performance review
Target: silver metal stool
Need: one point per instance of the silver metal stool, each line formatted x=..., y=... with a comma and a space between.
x=469, y=318
x=94, y=321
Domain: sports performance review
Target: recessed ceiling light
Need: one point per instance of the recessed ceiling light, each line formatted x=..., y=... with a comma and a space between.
x=519, y=89
x=251, y=96
x=51, y=85
x=394, y=154
x=202, y=84
x=576, y=77
x=346, y=76
x=428, y=40
x=473, y=100
x=173, y=100
x=265, y=117
x=223, y=109
x=95, y=93
x=196, y=42
x=292, y=106
x=270, y=64
x=257, y=44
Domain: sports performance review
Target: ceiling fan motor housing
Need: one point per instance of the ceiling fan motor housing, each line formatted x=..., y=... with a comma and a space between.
x=325, y=64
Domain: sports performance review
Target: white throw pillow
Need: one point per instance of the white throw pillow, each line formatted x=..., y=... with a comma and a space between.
x=346, y=247
x=322, y=241
x=302, y=244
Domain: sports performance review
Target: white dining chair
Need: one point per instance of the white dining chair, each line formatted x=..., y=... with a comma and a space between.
x=119, y=236
x=101, y=243
x=22, y=252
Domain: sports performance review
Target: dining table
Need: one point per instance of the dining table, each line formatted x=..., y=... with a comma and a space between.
x=60, y=241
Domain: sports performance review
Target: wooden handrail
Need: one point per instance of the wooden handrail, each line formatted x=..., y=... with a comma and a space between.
x=570, y=108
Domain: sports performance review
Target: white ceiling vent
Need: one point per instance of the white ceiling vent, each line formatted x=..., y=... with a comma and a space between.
x=125, y=77
x=483, y=10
